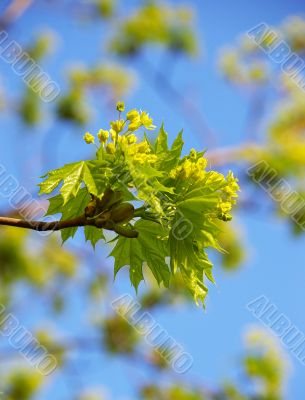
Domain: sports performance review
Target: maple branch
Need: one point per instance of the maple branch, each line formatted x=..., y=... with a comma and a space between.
x=42, y=226
x=82, y=220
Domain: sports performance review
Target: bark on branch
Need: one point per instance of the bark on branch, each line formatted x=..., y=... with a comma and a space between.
x=42, y=226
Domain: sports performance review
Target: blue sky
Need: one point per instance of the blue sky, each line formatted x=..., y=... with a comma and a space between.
x=275, y=265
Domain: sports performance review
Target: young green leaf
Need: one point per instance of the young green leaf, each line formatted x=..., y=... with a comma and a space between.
x=149, y=247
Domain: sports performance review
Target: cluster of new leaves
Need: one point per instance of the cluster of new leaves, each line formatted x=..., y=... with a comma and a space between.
x=163, y=207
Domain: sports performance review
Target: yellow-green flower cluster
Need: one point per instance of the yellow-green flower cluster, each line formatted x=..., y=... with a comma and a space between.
x=232, y=186
x=118, y=125
x=121, y=135
x=142, y=158
x=229, y=197
x=138, y=119
x=190, y=168
x=134, y=120
x=140, y=151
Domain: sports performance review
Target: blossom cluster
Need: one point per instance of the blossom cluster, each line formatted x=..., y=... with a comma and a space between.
x=121, y=134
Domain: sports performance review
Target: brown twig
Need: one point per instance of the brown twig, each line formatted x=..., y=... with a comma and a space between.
x=42, y=226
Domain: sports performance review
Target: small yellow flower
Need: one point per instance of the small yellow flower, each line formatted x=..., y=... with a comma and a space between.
x=174, y=172
x=132, y=139
x=225, y=206
x=133, y=114
x=118, y=125
x=198, y=173
x=187, y=169
x=232, y=187
x=140, y=158
x=134, y=124
x=120, y=106
x=152, y=158
x=193, y=154
x=103, y=135
x=88, y=138
x=202, y=163
x=110, y=148
x=143, y=147
x=147, y=122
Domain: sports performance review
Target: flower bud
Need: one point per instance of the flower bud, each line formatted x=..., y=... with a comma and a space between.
x=118, y=125
x=120, y=106
x=131, y=139
x=193, y=154
x=134, y=124
x=103, y=135
x=133, y=114
x=88, y=138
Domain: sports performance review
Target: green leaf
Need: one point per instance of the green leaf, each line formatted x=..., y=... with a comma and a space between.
x=177, y=146
x=55, y=205
x=144, y=178
x=149, y=247
x=193, y=264
x=73, y=208
x=169, y=159
x=94, y=174
x=193, y=231
x=72, y=182
x=161, y=145
x=93, y=234
x=193, y=208
x=55, y=177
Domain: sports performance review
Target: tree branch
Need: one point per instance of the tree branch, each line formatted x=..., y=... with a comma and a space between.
x=42, y=226
x=82, y=220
